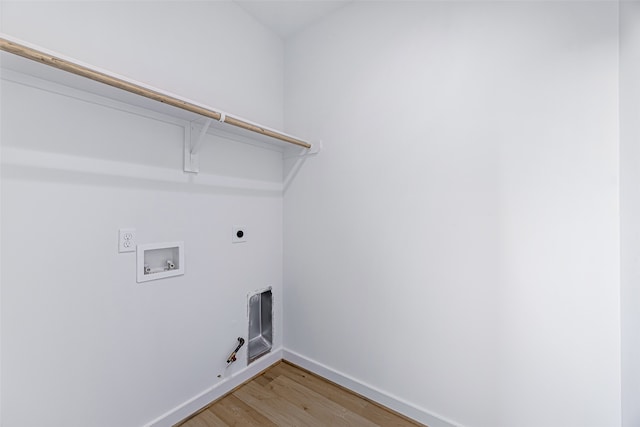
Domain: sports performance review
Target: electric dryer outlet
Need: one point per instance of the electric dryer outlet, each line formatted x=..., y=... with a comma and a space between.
x=239, y=234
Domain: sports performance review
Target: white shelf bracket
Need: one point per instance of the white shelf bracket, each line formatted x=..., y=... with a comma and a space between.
x=301, y=158
x=315, y=149
x=193, y=136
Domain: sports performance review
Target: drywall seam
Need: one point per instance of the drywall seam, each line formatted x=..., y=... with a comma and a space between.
x=216, y=391
x=370, y=392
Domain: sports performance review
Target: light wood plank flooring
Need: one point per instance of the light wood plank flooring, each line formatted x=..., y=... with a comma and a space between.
x=285, y=395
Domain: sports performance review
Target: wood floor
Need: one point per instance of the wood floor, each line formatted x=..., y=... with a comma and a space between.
x=286, y=395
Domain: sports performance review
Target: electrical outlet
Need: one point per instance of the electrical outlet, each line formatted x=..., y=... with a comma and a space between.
x=127, y=242
x=239, y=234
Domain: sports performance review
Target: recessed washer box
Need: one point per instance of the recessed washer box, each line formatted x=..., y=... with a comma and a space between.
x=159, y=260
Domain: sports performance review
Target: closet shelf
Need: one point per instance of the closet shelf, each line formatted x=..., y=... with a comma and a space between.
x=28, y=59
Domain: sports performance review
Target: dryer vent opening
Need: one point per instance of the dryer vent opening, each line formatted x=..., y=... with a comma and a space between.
x=260, y=324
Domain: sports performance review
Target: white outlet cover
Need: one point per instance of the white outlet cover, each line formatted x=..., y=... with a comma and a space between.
x=127, y=240
x=239, y=234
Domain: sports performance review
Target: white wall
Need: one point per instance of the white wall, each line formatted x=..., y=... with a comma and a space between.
x=83, y=344
x=456, y=244
x=630, y=208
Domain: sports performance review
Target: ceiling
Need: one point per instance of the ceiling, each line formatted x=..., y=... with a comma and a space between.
x=286, y=17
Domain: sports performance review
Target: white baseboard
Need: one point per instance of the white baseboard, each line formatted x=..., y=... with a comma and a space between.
x=385, y=399
x=394, y=403
x=187, y=408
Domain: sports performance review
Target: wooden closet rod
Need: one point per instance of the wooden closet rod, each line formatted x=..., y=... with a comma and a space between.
x=81, y=70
